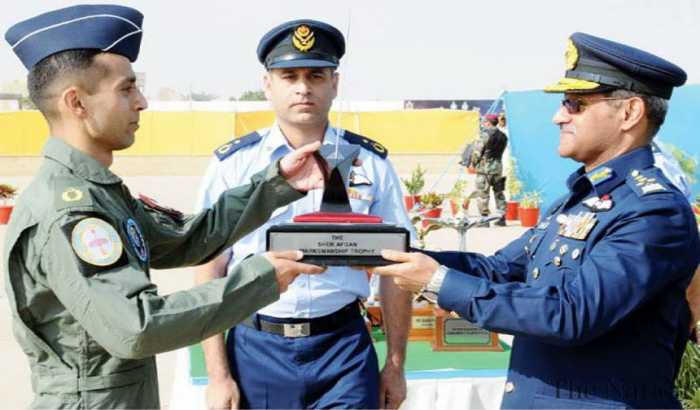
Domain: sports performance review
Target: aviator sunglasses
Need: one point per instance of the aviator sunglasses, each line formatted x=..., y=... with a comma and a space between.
x=576, y=105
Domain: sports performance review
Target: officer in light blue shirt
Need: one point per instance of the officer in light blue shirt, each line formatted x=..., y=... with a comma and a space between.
x=595, y=293
x=311, y=348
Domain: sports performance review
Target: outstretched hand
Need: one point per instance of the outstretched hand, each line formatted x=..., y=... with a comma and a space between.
x=412, y=273
x=301, y=170
x=288, y=268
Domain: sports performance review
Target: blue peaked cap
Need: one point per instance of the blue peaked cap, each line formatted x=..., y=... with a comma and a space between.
x=110, y=28
x=301, y=43
x=594, y=64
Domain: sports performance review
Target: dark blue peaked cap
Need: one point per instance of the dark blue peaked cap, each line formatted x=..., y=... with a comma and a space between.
x=595, y=65
x=110, y=28
x=301, y=43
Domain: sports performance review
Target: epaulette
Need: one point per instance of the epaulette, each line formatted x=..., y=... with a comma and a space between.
x=71, y=193
x=645, y=182
x=366, y=143
x=235, y=144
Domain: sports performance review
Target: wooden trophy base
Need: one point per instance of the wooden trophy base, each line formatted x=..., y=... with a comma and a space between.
x=454, y=334
x=422, y=324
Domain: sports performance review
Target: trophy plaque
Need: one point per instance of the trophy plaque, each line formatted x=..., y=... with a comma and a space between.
x=422, y=324
x=336, y=236
x=455, y=334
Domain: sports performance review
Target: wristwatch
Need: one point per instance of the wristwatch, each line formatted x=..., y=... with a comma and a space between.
x=431, y=290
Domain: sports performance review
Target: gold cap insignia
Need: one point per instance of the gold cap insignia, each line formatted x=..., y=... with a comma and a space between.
x=571, y=55
x=303, y=38
x=72, y=195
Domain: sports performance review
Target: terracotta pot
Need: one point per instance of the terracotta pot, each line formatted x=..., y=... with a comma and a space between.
x=529, y=216
x=410, y=201
x=5, y=212
x=454, y=206
x=512, y=210
x=430, y=213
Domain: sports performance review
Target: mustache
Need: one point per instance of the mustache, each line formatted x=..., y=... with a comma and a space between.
x=568, y=128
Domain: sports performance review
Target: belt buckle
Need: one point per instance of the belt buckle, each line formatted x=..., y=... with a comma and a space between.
x=296, y=329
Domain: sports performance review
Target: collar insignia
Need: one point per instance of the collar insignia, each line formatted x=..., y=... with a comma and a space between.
x=600, y=175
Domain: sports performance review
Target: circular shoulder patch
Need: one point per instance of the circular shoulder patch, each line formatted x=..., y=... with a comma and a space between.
x=96, y=242
x=138, y=244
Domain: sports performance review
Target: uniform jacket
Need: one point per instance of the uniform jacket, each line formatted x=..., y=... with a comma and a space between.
x=91, y=327
x=594, y=294
x=490, y=154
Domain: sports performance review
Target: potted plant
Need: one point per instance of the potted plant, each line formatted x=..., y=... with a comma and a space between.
x=514, y=188
x=413, y=186
x=458, y=199
x=529, y=210
x=7, y=192
x=432, y=205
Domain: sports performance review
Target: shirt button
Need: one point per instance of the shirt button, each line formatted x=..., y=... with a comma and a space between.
x=509, y=387
x=634, y=173
x=536, y=273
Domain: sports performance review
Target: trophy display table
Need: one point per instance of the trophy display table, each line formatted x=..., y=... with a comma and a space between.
x=436, y=380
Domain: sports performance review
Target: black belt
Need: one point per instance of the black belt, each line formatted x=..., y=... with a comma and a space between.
x=301, y=327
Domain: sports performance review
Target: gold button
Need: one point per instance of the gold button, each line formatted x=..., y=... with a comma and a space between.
x=509, y=387
x=564, y=249
x=536, y=273
x=557, y=261
x=575, y=254
x=635, y=173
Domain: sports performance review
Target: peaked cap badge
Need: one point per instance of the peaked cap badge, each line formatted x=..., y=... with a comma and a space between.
x=571, y=55
x=303, y=38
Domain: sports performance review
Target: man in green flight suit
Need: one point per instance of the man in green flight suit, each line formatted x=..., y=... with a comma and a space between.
x=79, y=248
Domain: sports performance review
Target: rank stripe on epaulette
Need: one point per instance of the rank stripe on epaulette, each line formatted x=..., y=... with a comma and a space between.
x=366, y=143
x=643, y=183
x=235, y=144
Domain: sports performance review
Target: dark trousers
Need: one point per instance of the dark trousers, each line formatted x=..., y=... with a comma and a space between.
x=337, y=369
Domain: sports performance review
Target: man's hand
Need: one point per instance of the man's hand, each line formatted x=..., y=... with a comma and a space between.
x=414, y=271
x=223, y=395
x=287, y=267
x=392, y=387
x=301, y=170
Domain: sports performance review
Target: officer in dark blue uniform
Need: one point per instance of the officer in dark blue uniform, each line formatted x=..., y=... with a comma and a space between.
x=594, y=294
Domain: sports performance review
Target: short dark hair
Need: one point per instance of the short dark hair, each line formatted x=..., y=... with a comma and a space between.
x=656, y=108
x=47, y=71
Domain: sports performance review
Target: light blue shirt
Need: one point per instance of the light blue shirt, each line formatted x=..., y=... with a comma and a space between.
x=667, y=163
x=374, y=189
